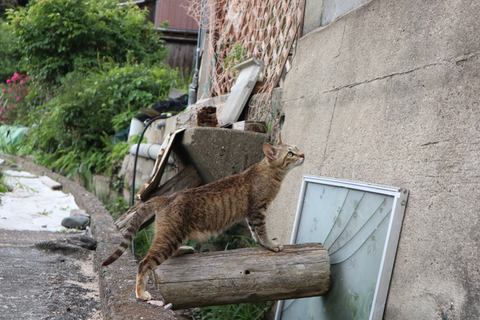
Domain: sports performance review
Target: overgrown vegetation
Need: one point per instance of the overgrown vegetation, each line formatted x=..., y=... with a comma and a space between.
x=83, y=69
x=9, y=56
x=56, y=37
x=236, y=55
x=75, y=127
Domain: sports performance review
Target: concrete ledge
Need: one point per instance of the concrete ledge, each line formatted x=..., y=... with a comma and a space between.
x=217, y=153
x=116, y=282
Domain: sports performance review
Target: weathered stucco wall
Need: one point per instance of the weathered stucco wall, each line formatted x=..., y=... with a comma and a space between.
x=389, y=94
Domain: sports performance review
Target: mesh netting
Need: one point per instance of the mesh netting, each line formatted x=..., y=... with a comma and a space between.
x=240, y=29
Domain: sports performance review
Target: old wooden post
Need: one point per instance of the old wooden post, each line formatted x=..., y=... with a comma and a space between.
x=244, y=275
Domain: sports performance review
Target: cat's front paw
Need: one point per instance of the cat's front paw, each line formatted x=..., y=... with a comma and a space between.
x=273, y=247
x=277, y=248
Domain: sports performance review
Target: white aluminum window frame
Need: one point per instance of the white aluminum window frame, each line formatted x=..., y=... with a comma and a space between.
x=392, y=239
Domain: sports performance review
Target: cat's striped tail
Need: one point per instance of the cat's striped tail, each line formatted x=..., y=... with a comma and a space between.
x=132, y=220
x=123, y=246
x=129, y=223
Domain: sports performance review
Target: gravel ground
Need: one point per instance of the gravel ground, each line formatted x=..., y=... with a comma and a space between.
x=38, y=284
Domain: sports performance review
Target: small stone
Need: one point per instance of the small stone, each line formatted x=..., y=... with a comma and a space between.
x=76, y=222
x=158, y=303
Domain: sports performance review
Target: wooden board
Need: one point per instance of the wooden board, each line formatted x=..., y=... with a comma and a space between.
x=249, y=72
x=244, y=275
x=160, y=164
x=49, y=182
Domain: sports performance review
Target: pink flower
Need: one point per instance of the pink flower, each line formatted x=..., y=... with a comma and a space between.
x=16, y=76
x=9, y=81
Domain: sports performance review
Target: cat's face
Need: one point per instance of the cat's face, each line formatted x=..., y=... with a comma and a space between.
x=283, y=155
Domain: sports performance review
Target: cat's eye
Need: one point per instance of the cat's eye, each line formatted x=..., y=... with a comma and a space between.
x=290, y=154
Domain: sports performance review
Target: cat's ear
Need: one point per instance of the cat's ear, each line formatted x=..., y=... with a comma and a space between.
x=269, y=151
x=279, y=137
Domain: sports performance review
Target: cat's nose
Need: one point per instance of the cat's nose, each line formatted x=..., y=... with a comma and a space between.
x=301, y=155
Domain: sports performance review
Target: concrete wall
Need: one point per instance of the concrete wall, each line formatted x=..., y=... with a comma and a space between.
x=389, y=94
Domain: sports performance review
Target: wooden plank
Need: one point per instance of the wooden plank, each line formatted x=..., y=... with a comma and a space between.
x=49, y=182
x=152, y=184
x=244, y=275
x=249, y=72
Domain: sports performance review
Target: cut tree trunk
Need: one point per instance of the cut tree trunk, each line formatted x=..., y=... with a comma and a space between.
x=244, y=275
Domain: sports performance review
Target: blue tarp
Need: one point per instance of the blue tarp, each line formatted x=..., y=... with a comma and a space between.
x=12, y=135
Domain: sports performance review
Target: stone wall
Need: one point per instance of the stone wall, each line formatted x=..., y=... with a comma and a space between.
x=388, y=94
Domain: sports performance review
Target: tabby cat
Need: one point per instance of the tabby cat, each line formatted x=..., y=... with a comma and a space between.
x=204, y=211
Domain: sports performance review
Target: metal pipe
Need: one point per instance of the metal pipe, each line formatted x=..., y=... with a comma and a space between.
x=146, y=150
x=193, y=88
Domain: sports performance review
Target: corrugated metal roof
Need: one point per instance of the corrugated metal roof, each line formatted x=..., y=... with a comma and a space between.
x=175, y=13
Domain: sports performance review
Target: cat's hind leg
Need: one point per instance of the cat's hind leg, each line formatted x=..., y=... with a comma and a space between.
x=163, y=246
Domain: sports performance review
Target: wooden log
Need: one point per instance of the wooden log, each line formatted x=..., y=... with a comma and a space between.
x=207, y=117
x=244, y=275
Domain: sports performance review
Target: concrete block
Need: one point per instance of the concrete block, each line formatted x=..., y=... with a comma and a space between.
x=156, y=131
x=217, y=153
x=101, y=186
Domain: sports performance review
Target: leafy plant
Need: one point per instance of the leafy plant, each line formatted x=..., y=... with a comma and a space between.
x=117, y=207
x=73, y=129
x=142, y=241
x=236, y=55
x=3, y=186
x=9, y=56
x=242, y=311
x=59, y=36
